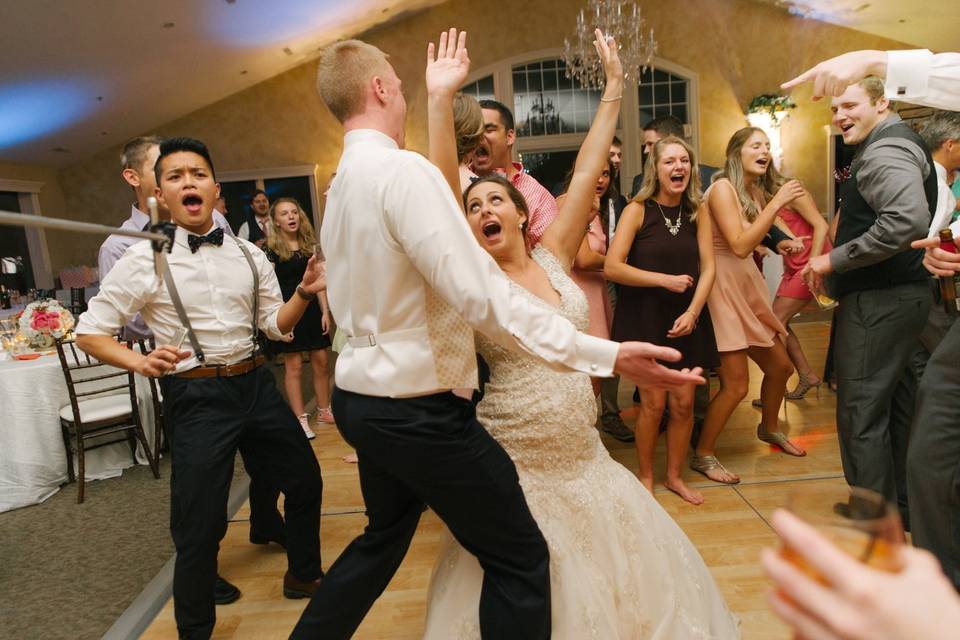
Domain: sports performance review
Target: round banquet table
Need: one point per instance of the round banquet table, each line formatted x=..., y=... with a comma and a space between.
x=33, y=462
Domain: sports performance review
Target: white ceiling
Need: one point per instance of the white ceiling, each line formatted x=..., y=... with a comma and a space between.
x=927, y=24
x=87, y=75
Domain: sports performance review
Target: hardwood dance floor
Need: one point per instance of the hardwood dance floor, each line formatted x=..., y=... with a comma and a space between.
x=729, y=529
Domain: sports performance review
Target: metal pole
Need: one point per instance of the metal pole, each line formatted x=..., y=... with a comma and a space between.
x=26, y=220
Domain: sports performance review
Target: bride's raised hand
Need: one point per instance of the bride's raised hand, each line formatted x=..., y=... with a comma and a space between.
x=609, y=52
x=447, y=63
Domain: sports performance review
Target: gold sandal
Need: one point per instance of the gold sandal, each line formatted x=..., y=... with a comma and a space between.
x=777, y=439
x=703, y=464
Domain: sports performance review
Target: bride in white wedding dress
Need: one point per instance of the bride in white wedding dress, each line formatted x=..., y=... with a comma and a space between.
x=620, y=567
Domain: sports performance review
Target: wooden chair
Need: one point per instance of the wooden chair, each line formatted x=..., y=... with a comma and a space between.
x=161, y=438
x=97, y=410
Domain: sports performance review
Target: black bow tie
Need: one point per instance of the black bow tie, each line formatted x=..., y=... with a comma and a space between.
x=215, y=237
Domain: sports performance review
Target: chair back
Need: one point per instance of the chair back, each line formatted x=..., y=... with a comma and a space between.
x=88, y=378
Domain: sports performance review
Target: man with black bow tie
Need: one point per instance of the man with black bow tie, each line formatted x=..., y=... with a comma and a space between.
x=217, y=398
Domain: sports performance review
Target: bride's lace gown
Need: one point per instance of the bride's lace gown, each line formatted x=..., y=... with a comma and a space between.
x=619, y=565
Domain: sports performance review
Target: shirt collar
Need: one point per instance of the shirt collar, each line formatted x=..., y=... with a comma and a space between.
x=371, y=136
x=138, y=218
x=941, y=173
x=519, y=172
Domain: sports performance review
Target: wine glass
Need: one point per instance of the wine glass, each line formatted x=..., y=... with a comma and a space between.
x=859, y=522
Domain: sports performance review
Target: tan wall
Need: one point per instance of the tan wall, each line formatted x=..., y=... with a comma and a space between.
x=739, y=48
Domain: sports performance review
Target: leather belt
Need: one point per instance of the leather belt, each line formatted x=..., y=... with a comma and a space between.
x=223, y=370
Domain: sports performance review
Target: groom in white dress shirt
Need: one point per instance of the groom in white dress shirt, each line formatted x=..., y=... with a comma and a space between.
x=409, y=284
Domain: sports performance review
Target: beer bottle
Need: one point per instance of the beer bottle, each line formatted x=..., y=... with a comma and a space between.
x=4, y=297
x=948, y=284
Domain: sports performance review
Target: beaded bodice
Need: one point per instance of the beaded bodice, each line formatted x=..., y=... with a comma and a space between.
x=542, y=416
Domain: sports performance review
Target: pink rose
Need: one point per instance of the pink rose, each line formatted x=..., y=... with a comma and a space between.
x=39, y=321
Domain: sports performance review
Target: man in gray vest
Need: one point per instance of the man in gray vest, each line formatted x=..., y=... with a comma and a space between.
x=881, y=285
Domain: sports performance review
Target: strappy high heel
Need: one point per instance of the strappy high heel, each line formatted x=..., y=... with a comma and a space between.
x=803, y=386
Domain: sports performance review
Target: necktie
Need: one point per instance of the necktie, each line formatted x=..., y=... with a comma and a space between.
x=215, y=237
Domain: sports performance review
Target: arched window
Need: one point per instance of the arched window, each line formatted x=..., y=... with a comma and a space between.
x=553, y=113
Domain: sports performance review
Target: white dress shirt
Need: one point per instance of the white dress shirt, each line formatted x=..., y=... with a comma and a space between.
x=244, y=230
x=115, y=246
x=215, y=285
x=404, y=271
x=946, y=205
x=922, y=77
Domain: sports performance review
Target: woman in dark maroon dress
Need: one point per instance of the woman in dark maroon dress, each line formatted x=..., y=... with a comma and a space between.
x=662, y=257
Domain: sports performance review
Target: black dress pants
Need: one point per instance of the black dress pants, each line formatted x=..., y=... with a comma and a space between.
x=933, y=462
x=431, y=450
x=877, y=344
x=210, y=419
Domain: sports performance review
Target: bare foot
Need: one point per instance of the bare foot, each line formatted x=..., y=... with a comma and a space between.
x=680, y=488
x=350, y=458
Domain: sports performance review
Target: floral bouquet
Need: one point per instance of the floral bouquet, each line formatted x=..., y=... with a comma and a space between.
x=44, y=321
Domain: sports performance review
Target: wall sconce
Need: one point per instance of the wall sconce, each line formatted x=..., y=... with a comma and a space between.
x=768, y=112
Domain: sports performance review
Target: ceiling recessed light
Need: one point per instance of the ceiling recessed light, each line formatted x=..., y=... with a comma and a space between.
x=60, y=150
x=99, y=98
x=244, y=72
x=902, y=20
x=169, y=25
x=288, y=51
x=103, y=133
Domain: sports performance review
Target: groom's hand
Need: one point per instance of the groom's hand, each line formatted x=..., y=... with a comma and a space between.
x=638, y=361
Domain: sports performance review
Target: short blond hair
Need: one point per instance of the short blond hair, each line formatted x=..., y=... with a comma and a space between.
x=467, y=123
x=345, y=69
x=873, y=87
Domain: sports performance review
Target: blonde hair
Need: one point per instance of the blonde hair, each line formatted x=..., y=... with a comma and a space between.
x=467, y=123
x=769, y=183
x=873, y=87
x=344, y=71
x=692, y=195
x=306, y=238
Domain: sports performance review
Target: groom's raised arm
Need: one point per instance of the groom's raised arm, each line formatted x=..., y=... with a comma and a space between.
x=426, y=221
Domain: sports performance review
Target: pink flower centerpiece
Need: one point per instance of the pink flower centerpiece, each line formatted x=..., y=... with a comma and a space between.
x=44, y=321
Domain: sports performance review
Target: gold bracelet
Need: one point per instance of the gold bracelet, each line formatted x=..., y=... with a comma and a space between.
x=602, y=99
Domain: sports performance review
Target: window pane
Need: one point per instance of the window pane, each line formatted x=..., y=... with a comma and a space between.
x=482, y=89
x=678, y=92
x=661, y=94
x=549, y=102
x=550, y=168
x=667, y=94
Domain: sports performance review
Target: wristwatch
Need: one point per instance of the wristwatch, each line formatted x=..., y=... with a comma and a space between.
x=303, y=293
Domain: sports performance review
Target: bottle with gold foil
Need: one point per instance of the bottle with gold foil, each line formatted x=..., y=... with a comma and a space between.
x=948, y=284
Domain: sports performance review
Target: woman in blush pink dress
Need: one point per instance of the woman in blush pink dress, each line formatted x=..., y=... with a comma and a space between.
x=743, y=203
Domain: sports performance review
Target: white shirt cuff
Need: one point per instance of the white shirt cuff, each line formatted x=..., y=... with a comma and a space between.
x=596, y=356
x=270, y=326
x=908, y=74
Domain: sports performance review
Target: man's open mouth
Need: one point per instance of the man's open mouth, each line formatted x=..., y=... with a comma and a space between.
x=192, y=202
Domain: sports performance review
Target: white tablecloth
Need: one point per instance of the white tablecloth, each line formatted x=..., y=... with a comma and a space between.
x=33, y=462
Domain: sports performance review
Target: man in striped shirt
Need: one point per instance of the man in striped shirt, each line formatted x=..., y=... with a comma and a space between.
x=496, y=154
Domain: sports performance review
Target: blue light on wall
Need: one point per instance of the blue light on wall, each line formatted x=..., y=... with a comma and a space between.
x=36, y=108
x=254, y=24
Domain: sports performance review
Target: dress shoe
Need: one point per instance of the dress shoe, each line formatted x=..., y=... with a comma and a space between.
x=280, y=539
x=224, y=592
x=616, y=428
x=294, y=588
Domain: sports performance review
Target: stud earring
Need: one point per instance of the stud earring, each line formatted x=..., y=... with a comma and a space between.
x=520, y=225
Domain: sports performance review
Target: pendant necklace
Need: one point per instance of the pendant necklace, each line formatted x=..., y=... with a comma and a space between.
x=672, y=227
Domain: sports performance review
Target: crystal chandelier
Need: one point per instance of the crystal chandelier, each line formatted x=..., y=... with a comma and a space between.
x=620, y=19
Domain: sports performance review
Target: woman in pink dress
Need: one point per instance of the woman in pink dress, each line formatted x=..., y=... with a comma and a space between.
x=805, y=222
x=587, y=271
x=743, y=203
